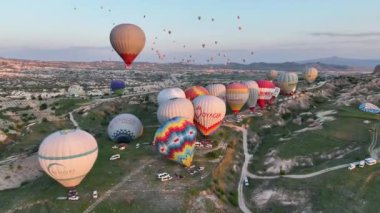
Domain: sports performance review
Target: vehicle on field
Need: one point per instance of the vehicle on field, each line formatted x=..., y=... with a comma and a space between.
x=246, y=183
x=361, y=163
x=115, y=157
x=370, y=161
x=352, y=166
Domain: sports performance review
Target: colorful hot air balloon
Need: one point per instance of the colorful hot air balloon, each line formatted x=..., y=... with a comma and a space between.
x=209, y=113
x=175, y=139
x=253, y=94
x=195, y=91
x=117, y=86
x=124, y=128
x=287, y=81
x=128, y=40
x=177, y=107
x=271, y=75
x=368, y=107
x=169, y=93
x=236, y=95
x=266, y=91
x=218, y=90
x=311, y=74
x=68, y=155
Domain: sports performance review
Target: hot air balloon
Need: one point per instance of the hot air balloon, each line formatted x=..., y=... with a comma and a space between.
x=124, y=128
x=216, y=42
x=271, y=75
x=209, y=113
x=368, y=107
x=170, y=93
x=218, y=90
x=240, y=28
x=203, y=45
x=253, y=94
x=266, y=91
x=287, y=81
x=195, y=91
x=175, y=139
x=67, y=156
x=117, y=86
x=212, y=19
x=128, y=40
x=311, y=74
x=236, y=95
x=177, y=107
x=199, y=18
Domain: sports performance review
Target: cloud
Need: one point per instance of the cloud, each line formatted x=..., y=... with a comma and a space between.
x=358, y=35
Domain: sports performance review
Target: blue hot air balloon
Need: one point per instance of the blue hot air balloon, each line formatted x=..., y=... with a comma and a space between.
x=117, y=86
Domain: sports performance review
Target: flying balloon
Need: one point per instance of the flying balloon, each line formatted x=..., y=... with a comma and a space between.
x=175, y=139
x=67, y=156
x=128, y=40
x=237, y=95
x=209, y=113
x=117, y=86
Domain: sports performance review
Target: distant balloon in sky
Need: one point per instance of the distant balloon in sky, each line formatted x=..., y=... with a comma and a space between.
x=128, y=40
x=252, y=53
x=310, y=74
x=175, y=139
x=67, y=156
x=144, y=16
x=203, y=45
x=216, y=42
x=240, y=28
x=199, y=18
x=170, y=32
x=238, y=17
x=212, y=19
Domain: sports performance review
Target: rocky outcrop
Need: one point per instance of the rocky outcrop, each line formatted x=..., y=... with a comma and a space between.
x=377, y=70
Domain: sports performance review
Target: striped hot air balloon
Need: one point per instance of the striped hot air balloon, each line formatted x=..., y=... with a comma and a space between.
x=271, y=75
x=128, y=40
x=218, y=90
x=287, y=81
x=266, y=91
x=178, y=107
x=175, y=139
x=311, y=74
x=170, y=93
x=253, y=94
x=124, y=128
x=68, y=156
x=195, y=91
x=209, y=112
x=237, y=95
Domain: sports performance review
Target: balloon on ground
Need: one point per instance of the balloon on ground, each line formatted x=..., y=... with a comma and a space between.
x=253, y=94
x=218, y=90
x=170, y=93
x=237, y=95
x=178, y=107
x=124, y=128
x=311, y=74
x=67, y=156
x=175, y=139
x=266, y=91
x=369, y=107
x=287, y=81
x=195, y=91
x=271, y=75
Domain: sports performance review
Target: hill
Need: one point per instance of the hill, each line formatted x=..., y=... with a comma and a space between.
x=368, y=63
x=376, y=71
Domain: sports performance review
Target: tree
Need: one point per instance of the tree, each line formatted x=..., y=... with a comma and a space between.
x=43, y=106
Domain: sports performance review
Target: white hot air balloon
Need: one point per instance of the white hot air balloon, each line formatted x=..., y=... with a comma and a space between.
x=68, y=156
x=124, y=128
x=254, y=89
x=218, y=90
x=209, y=112
x=170, y=93
x=178, y=107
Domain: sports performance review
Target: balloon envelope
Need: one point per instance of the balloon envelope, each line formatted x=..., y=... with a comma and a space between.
x=218, y=90
x=124, y=128
x=209, y=113
x=253, y=88
x=266, y=91
x=195, y=91
x=68, y=155
x=178, y=107
x=170, y=93
x=237, y=95
x=271, y=75
x=311, y=74
x=175, y=139
x=287, y=81
x=368, y=107
x=128, y=40
x=117, y=86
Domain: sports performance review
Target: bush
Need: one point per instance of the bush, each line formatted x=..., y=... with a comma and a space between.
x=43, y=106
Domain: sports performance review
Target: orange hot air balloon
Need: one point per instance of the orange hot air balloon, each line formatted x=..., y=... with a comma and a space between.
x=209, y=112
x=195, y=91
x=237, y=95
x=128, y=40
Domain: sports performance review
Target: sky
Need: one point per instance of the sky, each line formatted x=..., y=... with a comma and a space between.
x=275, y=30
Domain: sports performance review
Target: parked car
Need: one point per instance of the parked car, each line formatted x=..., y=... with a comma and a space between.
x=201, y=168
x=95, y=194
x=115, y=157
x=75, y=197
x=161, y=175
x=361, y=163
x=246, y=183
x=352, y=166
x=166, y=178
x=370, y=161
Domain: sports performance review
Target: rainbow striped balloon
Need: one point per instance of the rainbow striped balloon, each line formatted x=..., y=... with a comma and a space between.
x=237, y=95
x=175, y=139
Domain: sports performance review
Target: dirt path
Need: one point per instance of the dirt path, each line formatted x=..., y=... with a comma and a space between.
x=116, y=187
x=373, y=144
x=247, y=158
x=73, y=120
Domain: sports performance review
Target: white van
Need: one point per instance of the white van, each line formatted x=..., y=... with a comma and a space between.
x=370, y=161
x=246, y=183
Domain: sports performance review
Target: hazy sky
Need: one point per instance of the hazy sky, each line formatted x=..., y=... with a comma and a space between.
x=276, y=30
